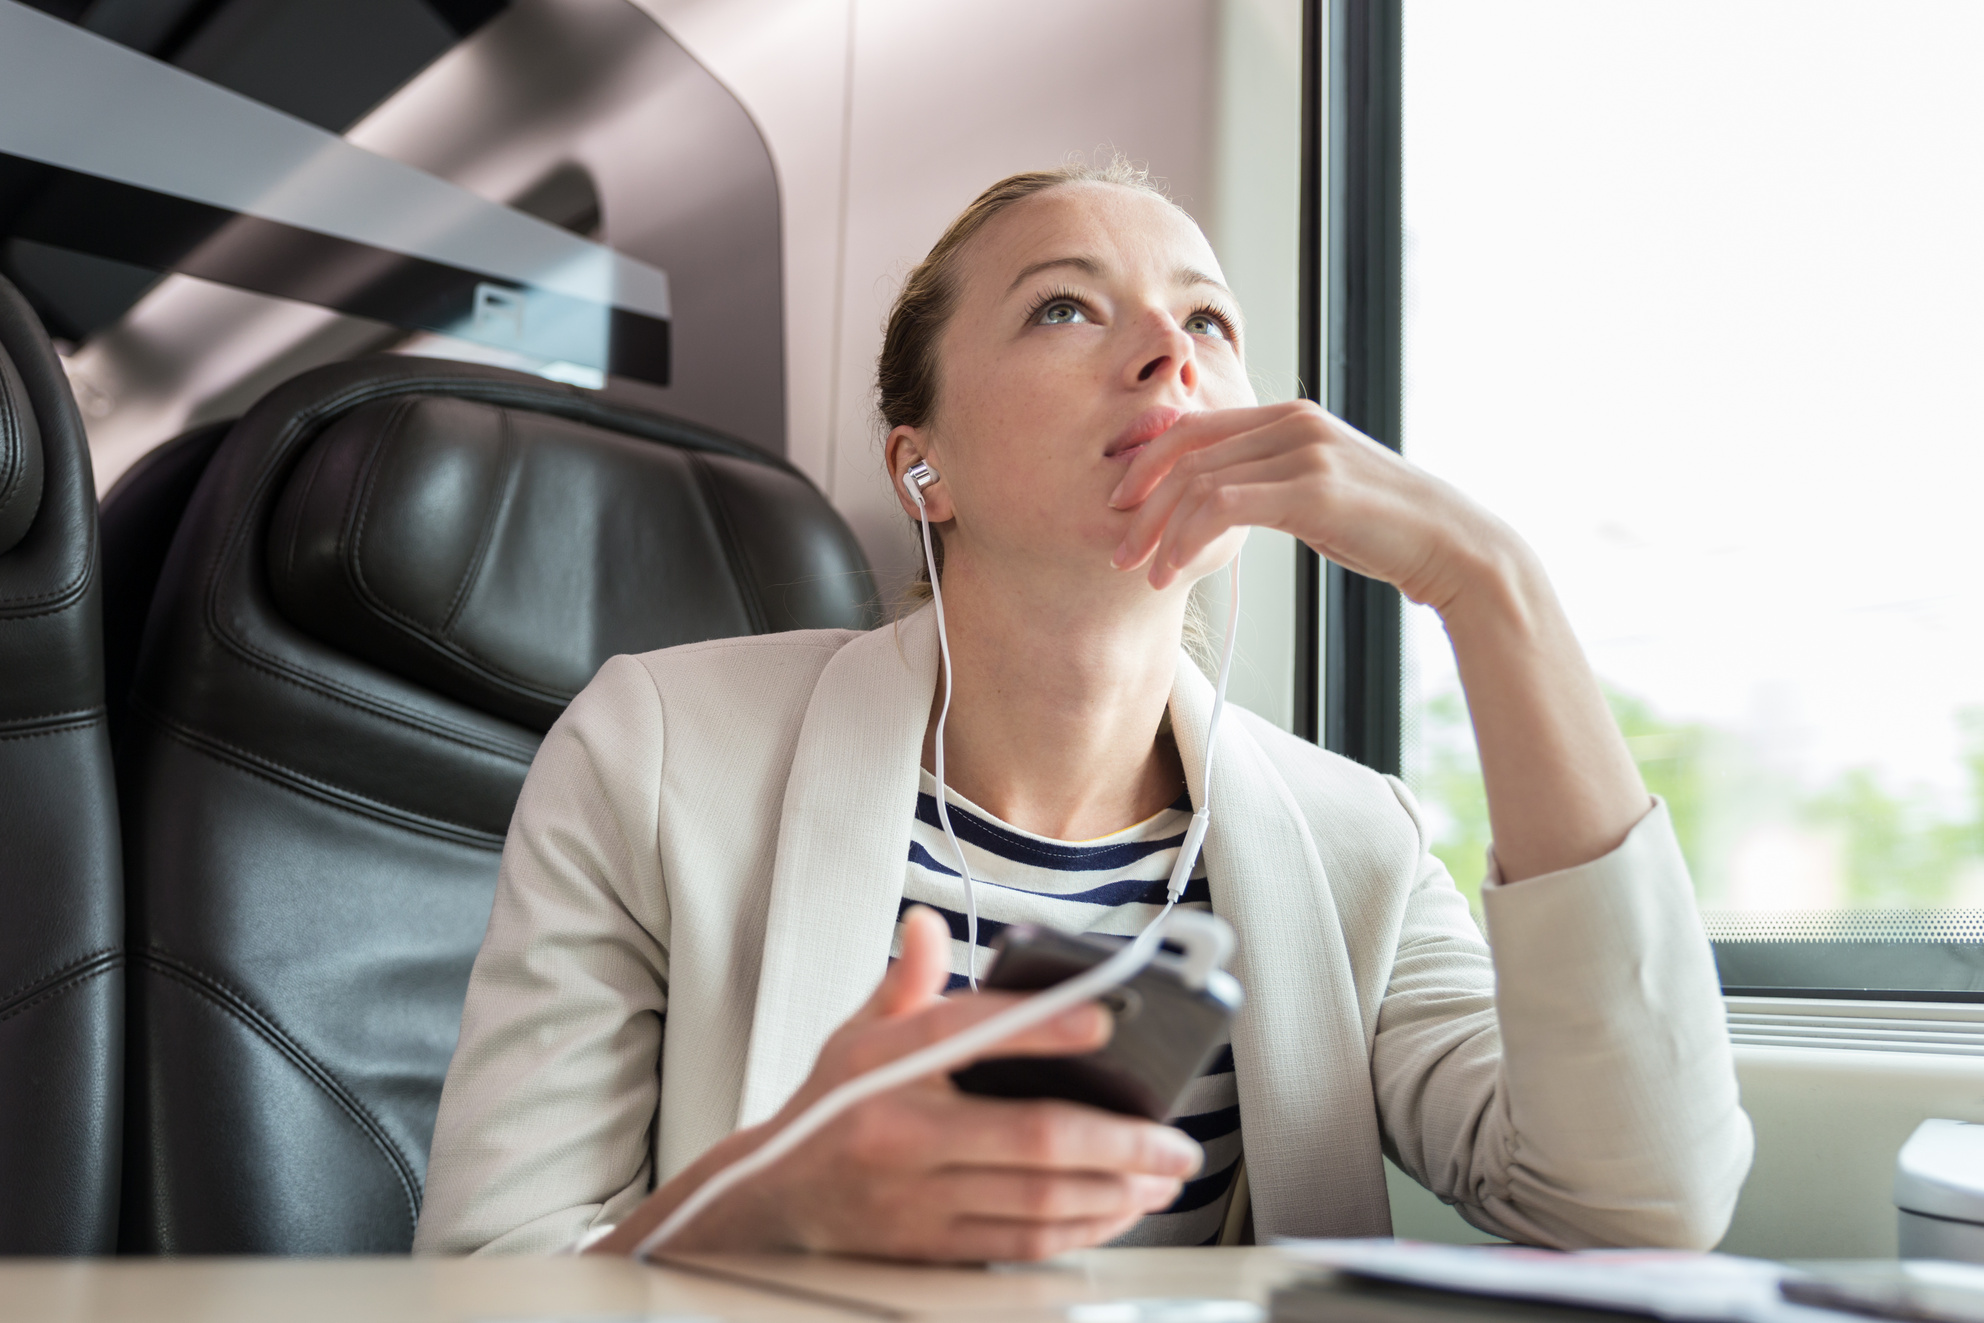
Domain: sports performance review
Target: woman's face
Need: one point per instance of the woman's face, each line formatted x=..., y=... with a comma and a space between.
x=1088, y=319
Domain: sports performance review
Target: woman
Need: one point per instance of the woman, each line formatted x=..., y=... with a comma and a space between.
x=713, y=839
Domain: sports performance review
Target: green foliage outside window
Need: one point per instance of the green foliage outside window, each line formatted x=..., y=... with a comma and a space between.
x=1857, y=841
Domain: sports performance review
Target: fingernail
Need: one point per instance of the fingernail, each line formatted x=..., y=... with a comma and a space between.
x=1119, y=556
x=1181, y=1151
x=1083, y=1021
x=1116, y=495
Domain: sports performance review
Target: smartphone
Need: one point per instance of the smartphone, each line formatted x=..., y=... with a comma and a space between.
x=1170, y=1019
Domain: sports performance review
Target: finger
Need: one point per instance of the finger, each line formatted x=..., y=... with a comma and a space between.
x=1262, y=494
x=1039, y=1196
x=918, y=976
x=1052, y=1135
x=931, y=1130
x=1083, y=1028
x=1147, y=525
x=1189, y=433
x=987, y=1240
x=907, y=983
x=1192, y=432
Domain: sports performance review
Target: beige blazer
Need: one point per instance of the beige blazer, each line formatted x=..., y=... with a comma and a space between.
x=701, y=883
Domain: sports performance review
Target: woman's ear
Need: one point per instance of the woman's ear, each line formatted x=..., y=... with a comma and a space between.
x=905, y=448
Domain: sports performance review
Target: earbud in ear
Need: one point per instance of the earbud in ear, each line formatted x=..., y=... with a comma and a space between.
x=915, y=478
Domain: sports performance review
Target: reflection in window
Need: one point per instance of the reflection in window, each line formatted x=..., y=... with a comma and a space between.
x=324, y=61
x=1692, y=295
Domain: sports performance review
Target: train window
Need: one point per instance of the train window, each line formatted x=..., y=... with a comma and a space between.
x=1691, y=298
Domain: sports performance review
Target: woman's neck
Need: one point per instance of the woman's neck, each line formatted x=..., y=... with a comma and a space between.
x=1056, y=706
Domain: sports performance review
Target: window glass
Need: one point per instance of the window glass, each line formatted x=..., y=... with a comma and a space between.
x=1693, y=298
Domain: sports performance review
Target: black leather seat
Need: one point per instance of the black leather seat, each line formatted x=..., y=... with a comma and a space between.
x=61, y=901
x=391, y=579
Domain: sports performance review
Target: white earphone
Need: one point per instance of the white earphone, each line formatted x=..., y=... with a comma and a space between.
x=914, y=479
x=964, y=1046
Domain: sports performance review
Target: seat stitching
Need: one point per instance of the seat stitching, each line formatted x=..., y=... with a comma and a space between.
x=53, y=728
x=69, y=602
x=506, y=483
x=67, y=717
x=14, y=431
x=359, y=501
x=59, y=990
x=10, y=433
x=235, y=1003
x=60, y=598
x=315, y=463
x=288, y=777
x=360, y=506
x=395, y=716
x=65, y=712
x=83, y=966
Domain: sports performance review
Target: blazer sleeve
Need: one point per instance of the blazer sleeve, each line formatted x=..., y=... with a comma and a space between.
x=1570, y=1084
x=545, y=1125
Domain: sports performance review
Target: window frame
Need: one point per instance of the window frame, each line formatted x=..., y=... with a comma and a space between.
x=1350, y=355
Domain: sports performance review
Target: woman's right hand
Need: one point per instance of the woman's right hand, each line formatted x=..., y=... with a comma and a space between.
x=927, y=1171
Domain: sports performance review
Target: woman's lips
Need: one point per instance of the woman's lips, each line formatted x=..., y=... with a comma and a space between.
x=1143, y=429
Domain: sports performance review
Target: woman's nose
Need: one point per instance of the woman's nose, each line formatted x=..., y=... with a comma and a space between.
x=1169, y=352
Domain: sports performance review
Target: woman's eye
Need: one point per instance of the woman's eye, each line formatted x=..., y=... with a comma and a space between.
x=1204, y=323
x=1061, y=313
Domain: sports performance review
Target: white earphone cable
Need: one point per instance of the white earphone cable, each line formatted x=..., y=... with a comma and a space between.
x=943, y=715
x=1195, y=835
x=1042, y=1006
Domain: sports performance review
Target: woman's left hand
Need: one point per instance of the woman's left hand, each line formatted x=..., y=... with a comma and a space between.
x=1295, y=468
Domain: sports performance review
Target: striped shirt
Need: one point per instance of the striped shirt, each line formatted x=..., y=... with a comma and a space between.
x=1115, y=885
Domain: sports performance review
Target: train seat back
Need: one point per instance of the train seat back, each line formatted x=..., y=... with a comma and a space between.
x=393, y=575
x=61, y=899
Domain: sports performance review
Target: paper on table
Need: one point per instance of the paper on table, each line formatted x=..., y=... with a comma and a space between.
x=1685, y=1287
x=1919, y=1289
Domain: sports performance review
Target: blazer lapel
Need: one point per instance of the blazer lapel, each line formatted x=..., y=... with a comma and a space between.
x=1309, y=1120
x=843, y=847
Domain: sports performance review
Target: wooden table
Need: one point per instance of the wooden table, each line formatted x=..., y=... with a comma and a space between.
x=1096, y=1286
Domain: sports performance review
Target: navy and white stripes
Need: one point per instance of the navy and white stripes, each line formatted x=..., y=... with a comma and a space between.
x=1112, y=885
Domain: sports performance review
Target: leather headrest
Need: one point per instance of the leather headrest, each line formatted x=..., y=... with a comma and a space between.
x=500, y=555
x=20, y=458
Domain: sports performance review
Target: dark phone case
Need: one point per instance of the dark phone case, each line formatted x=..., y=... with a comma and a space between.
x=1165, y=1032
